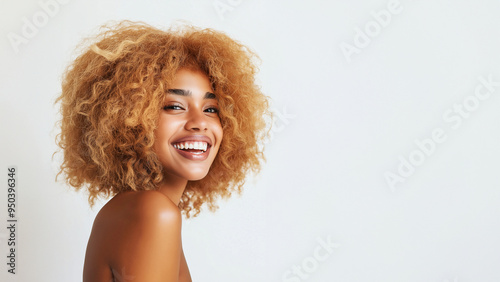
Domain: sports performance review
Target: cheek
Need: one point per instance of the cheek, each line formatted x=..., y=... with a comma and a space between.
x=218, y=132
x=219, y=137
x=163, y=133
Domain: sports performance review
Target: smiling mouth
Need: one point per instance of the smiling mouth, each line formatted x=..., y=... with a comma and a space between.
x=193, y=150
x=192, y=147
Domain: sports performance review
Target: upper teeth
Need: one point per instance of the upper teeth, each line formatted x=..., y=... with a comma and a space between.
x=192, y=145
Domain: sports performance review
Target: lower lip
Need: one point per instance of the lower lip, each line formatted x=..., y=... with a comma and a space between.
x=194, y=157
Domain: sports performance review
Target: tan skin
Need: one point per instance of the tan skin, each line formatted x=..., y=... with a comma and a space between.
x=136, y=236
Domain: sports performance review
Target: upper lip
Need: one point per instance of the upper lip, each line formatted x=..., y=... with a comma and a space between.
x=194, y=138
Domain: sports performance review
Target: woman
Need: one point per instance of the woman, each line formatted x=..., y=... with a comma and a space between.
x=164, y=122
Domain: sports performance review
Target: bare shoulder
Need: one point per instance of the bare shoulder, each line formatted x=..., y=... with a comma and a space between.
x=138, y=233
x=139, y=205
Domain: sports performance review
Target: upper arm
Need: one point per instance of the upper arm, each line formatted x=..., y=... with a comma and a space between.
x=148, y=247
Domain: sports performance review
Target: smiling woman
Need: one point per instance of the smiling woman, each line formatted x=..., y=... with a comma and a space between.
x=164, y=122
x=189, y=131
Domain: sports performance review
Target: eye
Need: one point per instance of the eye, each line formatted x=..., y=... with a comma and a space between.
x=172, y=107
x=212, y=110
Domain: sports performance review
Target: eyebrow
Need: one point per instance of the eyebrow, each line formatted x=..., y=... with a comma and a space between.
x=187, y=93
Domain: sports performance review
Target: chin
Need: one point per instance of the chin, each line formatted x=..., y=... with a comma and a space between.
x=194, y=176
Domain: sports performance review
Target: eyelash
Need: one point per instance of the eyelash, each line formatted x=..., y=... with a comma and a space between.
x=171, y=107
x=216, y=110
x=168, y=107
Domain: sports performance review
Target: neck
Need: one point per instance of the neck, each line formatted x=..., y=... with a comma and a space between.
x=173, y=187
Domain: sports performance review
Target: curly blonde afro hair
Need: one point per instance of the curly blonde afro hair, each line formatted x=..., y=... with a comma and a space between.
x=111, y=98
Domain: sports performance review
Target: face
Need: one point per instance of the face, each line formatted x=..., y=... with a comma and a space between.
x=189, y=131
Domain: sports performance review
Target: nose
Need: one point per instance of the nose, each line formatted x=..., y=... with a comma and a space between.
x=197, y=121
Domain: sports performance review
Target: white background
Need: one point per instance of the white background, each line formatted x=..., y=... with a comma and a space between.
x=346, y=121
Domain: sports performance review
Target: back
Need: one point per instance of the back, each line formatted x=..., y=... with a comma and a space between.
x=135, y=236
